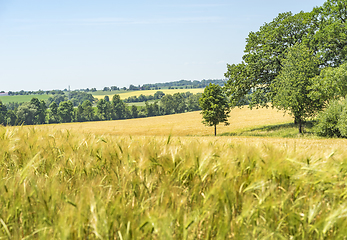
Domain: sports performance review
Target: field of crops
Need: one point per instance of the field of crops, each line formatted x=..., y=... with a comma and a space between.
x=127, y=94
x=158, y=178
x=59, y=184
x=22, y=98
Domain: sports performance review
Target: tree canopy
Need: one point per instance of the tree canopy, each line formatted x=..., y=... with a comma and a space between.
x=293, y=83
x=323, y=30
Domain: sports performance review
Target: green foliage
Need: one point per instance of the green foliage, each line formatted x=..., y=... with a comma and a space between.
x=40, y=115
x=292, y=85
x=328, y=120
x=119, y=111
x=11, y=118
x=3, y=112
x=178, y=103
x=193, y=102
x=183, y=84
x=323, y=30
x=332, y=122
x=104, y=109
x=331, y=84
x=53, y=113
x=342, y=122
x=262, y=62
x=167, y=103
x=66, y=111
x=331, y=35
x=215, y=106
x=143, y=98
x=26, y=113
x=134, y=111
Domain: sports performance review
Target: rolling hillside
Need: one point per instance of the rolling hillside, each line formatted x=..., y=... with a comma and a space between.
x=186, y=124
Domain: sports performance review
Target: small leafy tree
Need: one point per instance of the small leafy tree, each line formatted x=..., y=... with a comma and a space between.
x=293, y=84
x=215, y=106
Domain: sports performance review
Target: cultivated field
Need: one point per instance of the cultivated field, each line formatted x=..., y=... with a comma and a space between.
x=162, y=178
x=22, y=98
x=127, y=94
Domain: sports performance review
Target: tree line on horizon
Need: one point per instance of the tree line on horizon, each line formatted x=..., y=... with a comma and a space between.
x=181, y=84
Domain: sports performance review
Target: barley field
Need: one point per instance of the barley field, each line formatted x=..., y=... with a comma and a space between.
x=82, y=181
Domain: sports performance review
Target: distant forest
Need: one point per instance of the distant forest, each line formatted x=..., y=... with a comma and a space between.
x=186, y=84
x=81, y=107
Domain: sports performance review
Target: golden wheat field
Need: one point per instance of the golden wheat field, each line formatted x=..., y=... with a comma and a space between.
x=168, y=177
x=77, y=184
x=151, y=92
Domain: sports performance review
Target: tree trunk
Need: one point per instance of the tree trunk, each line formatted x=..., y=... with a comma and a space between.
x=300, y=126
x=215, y=130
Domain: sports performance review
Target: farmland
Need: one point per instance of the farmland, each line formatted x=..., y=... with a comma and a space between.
x=167, y=178
x=127, y=94
x=22, y=98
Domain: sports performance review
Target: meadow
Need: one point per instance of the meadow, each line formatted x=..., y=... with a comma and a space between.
x=155, y=179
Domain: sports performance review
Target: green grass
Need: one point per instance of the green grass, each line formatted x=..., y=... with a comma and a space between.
x=286, y=130
x=59, y=184
x=22, y=98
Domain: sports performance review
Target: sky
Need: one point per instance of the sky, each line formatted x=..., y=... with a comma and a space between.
x=53, y=44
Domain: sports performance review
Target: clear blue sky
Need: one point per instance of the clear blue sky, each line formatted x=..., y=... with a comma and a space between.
x=50, y=44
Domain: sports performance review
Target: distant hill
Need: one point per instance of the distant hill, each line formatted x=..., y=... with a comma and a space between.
x=183, y=83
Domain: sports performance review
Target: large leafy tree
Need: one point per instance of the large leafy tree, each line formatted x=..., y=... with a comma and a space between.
x=323, y=30
x=293, y=83
x=215, y=106
x=264, y=54
x=330, y=37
